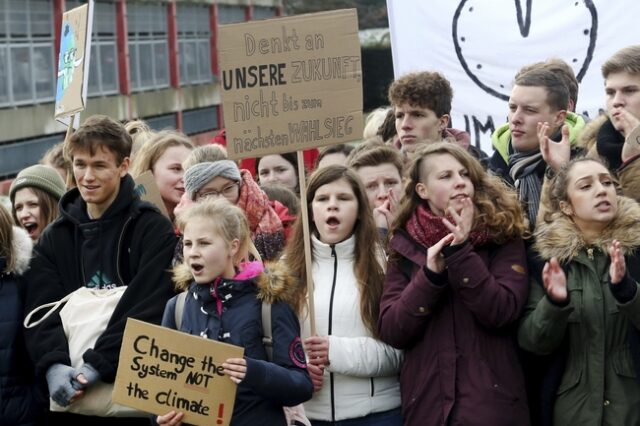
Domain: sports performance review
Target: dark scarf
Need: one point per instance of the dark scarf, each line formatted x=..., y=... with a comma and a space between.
x=526, y=169
x=427, y=229
x=609, y=144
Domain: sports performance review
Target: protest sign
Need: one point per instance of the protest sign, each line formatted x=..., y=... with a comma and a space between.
x=73, y=62
x=291, y=83
x=480, y=46
x=147, y=190
x=161, y=370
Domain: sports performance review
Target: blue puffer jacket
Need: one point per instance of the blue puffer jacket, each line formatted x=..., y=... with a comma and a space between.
x=233, y=316
x=19, y=404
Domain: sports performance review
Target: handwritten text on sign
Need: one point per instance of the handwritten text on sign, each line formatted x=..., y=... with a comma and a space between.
x=291, y=83
x=161, y=370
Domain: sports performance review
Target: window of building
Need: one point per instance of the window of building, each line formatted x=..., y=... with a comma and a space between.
x=26, y=52
x=228, y=14
x=194, y=35
x=103, y=63
x=261, y=12
x=148, y=45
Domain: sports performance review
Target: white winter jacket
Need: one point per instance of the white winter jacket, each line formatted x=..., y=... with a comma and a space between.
x=362, y=377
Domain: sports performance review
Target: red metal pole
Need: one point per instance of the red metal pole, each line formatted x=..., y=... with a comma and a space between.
x=58, y=10
x=122, y=41
x=172, y=29
x=213, y=40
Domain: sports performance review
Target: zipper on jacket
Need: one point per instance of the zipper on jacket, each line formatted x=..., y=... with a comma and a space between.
x=124, y=229
x=373, y=387
x=333, y=290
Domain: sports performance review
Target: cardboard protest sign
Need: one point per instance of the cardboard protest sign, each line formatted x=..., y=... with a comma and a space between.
x=147, y=190
x=73, y=62
x=291, y=83
x=161, y=370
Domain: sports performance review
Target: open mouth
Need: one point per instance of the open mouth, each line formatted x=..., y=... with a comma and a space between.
x=196, y=268
x=333, y=222
x=30, y=227
x=603, y=205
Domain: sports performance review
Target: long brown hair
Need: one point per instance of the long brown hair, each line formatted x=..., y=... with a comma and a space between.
x=498, y=210
x=6, y=239
x=149, y=154
x=368, y=271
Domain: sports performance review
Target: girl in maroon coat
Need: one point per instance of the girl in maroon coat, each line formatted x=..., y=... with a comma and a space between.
x=455, y=284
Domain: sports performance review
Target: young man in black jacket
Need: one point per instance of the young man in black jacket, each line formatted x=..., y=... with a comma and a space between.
x=105, y=237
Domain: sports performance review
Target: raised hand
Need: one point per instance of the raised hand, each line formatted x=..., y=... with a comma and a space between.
x=555, y=154
x=554, y=280
x=463, y=221
x=435, y=259
x=617, y=269
x=624, y=121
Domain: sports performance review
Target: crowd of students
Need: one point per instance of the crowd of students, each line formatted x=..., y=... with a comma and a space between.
x=449, y=287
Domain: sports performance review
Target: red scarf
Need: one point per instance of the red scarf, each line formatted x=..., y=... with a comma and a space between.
x=427, y=229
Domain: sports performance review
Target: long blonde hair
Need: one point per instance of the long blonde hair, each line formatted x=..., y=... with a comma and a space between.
x=151, y=151
x=367, y=269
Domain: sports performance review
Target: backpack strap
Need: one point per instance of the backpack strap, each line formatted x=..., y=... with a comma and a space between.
x=182, y=297
x=267, y=337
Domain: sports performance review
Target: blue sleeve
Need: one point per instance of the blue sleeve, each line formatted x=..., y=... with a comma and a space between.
x=285, y=381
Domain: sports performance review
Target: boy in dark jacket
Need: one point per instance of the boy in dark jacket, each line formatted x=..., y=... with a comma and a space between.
x=105, y=237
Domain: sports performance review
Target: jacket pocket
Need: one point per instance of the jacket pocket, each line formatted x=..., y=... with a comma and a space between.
x=570, y=380
x=622, y=363
x=575, y=297
x=498, y=387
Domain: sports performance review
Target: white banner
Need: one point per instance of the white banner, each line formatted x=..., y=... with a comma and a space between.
x=480, y=45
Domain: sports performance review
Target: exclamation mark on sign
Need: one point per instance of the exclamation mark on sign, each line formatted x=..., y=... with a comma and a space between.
x=220, y=413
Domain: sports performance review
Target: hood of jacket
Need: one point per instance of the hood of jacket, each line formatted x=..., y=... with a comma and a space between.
x=589, y=136
x=21, y=250
x=74, y=209
x=275, y=282
x=501, y=137
x=562, y=239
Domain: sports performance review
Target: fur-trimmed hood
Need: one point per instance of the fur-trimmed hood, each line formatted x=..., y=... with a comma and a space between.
x=588, y=136
x=22, y=249
x=275, y=283
x=562, y=239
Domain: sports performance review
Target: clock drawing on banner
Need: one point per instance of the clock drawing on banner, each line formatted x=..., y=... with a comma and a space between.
x=512, y=28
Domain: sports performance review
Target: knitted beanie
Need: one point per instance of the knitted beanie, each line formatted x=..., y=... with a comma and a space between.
x=200, y=174
x=39, y=176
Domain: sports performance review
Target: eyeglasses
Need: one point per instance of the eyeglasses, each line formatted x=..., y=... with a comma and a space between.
x=226, y=192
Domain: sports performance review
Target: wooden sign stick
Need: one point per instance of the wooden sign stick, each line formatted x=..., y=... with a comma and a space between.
x=307, y=241
x=70, y=178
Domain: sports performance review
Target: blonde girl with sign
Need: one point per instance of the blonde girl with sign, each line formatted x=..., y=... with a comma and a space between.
x=456, y=284
x=355, y=375
x=224, y=303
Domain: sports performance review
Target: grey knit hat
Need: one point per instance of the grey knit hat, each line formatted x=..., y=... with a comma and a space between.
x=39, y=176
x=200, y=174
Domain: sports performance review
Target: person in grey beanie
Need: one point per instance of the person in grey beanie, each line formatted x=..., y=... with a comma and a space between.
x=34, y=195
x=223, y=178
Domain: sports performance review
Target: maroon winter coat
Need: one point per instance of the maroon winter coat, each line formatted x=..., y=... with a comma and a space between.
x=461, y=366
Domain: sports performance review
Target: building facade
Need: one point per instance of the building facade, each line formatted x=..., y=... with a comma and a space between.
x=155, y=60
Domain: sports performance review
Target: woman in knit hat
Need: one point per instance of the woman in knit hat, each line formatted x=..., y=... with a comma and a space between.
x=34, y=195
x=224, y=179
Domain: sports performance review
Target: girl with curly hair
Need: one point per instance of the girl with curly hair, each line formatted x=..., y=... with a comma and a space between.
x=455, y=284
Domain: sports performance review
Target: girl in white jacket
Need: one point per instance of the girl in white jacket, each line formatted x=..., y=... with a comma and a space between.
x=355, y=375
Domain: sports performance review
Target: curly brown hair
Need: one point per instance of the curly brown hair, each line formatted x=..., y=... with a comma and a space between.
x=423, y=89
x=498, y=210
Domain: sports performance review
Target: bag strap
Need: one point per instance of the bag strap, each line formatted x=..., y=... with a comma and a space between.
x=182, y=297
x=267, y=338
x=53, y=305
